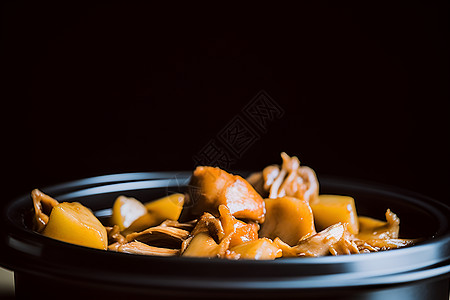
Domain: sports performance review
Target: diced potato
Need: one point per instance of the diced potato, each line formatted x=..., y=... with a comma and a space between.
x=202, y=245
x=165, y=208
x=126, y=210
x=76, y=224
x=288, y=218
x=332, y=209
x=143, y=222
x=258, y=249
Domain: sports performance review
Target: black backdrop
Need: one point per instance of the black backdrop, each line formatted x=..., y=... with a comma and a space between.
x=106, y=88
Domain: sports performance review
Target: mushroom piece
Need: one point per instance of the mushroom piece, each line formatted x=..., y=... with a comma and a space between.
x=239, y=231
x=163, y=240
x=374, y=245
x=370, y=228
x=43, y=205
x=346, y=244
x=186, y=226
x=316, y=245
x=160, y=236
x=290, y=179
x=143, y=249
x=210, y=224
x=218, y=234
x=207, y=239
x=289, y=219
x=114, y=235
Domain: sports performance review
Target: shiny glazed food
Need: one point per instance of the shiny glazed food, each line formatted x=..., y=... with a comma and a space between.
x=275, y=213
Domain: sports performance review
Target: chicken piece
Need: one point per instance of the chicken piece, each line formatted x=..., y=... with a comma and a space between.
x=142, y=249
x=126, y=210
x=370, y=228
x=331, y=209
x=203, y=245
x=43, y=205
x=316, y=245
x=259, y=249
x=76, y=224
x=160, y=236
x=210, y=187
x=239, y=231
x=288, y=218
x=290, y=179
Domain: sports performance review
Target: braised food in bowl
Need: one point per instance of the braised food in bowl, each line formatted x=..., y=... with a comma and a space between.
x=275, y=213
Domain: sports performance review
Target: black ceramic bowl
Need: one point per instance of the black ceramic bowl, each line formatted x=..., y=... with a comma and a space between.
x=51, y=268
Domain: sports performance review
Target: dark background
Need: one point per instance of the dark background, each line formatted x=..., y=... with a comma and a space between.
x=96, y=89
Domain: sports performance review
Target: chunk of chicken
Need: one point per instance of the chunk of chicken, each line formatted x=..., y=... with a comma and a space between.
x=210, y=187
x=290, y=179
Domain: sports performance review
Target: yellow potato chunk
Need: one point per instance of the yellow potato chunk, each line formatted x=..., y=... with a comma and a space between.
x=165, y=208
x=258, y=249
x=76, y=224
x=143, y=222
x=332, y=209
x=288, y=218
x=126, y=210
x=202, y=245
